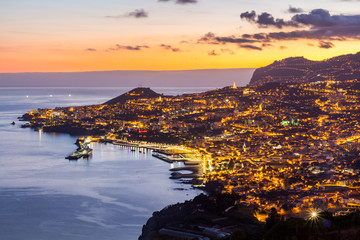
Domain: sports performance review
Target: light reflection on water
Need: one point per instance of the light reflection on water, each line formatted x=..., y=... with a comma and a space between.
x=44, y=196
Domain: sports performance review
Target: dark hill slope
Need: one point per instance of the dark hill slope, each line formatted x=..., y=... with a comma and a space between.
x=302, y=70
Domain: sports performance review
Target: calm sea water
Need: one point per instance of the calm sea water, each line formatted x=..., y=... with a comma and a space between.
x=44, y=196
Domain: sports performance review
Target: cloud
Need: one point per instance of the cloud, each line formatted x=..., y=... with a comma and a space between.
x=318, y=24
x=266, y=19
x=227, y=50
x=221, y=51
x=115, y=17
x=294, y=10
x=91, y=49
x=185, y=1
x=119, y=47
x=250, y=16
x=317, y=18
x=208, y=38
x=180, y=1
x=233, y=39
x=211, y=38
x=170, y=48
x=138, y=13
x=322, y=18
x=259, y=36
x=213, y=53
x=326, y=45
x=251, y=47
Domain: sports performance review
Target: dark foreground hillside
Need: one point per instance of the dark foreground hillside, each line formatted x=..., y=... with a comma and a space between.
x=220, y=217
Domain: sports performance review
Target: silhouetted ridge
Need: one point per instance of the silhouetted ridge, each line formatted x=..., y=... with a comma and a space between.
x=136, y=93
x=302, y=70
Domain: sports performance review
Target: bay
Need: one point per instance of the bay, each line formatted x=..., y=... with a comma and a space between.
x=44, y=196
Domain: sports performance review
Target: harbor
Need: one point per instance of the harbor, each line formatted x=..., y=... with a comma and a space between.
x=190, y=158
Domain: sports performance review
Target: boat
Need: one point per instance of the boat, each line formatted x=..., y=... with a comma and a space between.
x=82, y=152
x=89, y=152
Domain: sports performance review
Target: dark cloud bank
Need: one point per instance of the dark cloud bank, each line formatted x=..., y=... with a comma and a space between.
x=318, y=24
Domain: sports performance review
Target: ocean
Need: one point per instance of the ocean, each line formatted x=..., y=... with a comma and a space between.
x=44, y=196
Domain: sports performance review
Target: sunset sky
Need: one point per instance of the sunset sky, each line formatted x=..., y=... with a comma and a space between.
x=97, y=35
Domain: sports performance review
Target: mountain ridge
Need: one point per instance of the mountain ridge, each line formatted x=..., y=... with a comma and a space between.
x=302, y=70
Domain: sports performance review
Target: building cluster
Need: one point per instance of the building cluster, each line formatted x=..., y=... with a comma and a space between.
x=291, y=146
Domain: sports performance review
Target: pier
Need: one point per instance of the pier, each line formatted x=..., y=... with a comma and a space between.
x=167, y=153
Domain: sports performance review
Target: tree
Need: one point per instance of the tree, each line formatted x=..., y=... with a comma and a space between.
x=272, y=219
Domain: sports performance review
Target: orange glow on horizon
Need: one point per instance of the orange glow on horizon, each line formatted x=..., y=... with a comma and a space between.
x=156, y=58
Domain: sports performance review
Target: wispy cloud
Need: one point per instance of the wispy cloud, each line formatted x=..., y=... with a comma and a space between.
x=250, y=47
x=170, y=48
x=138, y=13
x=294, y=10
x=211, y=38
x=326, y=45
x=91, y=50
x=180, y=1
x=213, y=53
x=220, y=52
x=119, y=47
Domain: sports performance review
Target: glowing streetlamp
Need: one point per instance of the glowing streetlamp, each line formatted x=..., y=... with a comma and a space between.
x=314, y=214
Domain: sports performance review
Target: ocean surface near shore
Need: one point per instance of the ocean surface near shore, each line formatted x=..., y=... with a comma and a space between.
x=44, y=196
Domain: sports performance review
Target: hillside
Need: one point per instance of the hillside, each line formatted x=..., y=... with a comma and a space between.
x=136, y=93
x=302, y=70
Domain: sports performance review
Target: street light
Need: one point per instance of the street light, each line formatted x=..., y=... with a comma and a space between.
x=314, y=214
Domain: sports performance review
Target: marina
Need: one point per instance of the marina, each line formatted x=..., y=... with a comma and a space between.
x=169, y=154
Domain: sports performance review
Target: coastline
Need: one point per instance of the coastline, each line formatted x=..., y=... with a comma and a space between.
x=168, y=153
x=79, y=186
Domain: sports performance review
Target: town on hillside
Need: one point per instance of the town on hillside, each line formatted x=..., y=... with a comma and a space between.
x=285, y=145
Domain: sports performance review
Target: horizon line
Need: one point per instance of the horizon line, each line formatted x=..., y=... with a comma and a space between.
x=95, y=71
